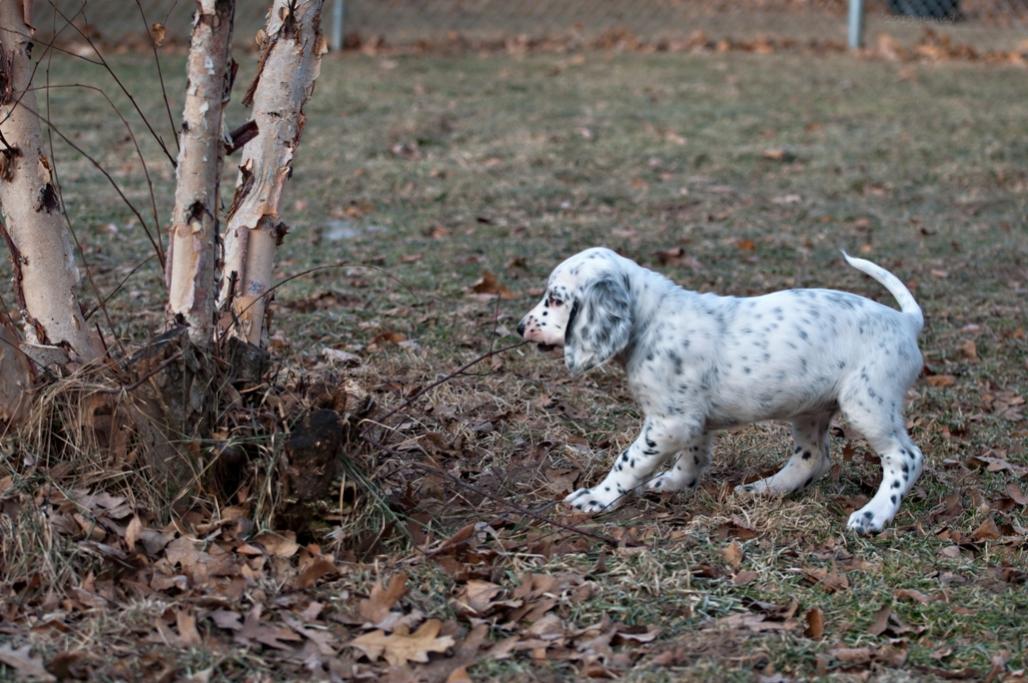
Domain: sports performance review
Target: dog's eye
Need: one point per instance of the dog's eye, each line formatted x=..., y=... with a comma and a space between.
x=553, y=301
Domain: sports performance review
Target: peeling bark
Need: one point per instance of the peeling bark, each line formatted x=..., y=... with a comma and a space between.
x=289, y=64
x=194, y=224
x=41, y=252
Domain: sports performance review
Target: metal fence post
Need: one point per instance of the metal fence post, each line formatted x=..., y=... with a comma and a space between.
x=856, y=24
x=336, y=38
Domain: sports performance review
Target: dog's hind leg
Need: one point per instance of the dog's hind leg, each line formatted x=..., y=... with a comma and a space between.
x=809, y=461
x=884, y=427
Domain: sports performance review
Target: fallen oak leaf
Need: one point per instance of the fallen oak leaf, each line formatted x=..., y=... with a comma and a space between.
x=777, y=154
x=377, y=606
x=1015, y=494
x=998, y=463
x=733, y=554
x=22, y=661
x=278, y=545
x=745, y=577
x=880, y=622
x=226, y=619
x=829, y=581
x=852, y=655
x=754, y=622
x=133, y=532
x=490, y=286
x=987, y=531
x=400, y=647
x=815, y=623
x=185, y=621
x=459, y=675
x=321, y=638
x=318, y=568
x=158, y=32
x=912, y=595
x=637, y=634
x=477, y=596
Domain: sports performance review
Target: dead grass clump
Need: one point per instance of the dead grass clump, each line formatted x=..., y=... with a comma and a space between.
x=96, y=453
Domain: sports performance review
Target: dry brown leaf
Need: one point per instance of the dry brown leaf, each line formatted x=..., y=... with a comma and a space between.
x=318, y=568
x=969, y=350
x=745, y=577
x=400, y=647
x=459, y=675
x=381, y=601
x=22, y=661
x=158, y=32
x=132, y=532
x=550, y=627
x=941, y=380
x=1015, y=494
x=489, y=285
x=185, y=621
x=733, y=554
x=677, y=256
x=278, y=544
x=228, y=620
x=880, y=622
x=754, y=622
x=637, y=634
x=912, y=595
x=746, y=245
x=777, y=154
x=987, y=531
x=477, y=595
x=829, y=581
x=997, y=462
x=815, y=623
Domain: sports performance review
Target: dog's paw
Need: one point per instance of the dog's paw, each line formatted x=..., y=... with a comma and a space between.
x=749, y=489
x=591, y=502
x=868, y=521
x=667, y=482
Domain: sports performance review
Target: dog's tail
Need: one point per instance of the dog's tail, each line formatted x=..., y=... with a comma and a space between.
x=893, y=284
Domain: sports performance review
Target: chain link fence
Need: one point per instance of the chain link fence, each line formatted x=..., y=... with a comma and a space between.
x=982, y=26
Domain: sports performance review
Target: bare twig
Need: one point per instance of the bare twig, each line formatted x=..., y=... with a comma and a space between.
x=60, y=189
x=121, y=284
x=142, y=380
x=117, y=188
x=35, y=65
x=132, y=136
x=54, y=47
x=128, y=93
x=520, y=509
x=160, y=72
x=459, y=371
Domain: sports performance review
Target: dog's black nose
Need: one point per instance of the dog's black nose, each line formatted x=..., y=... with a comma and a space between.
x=521, y=328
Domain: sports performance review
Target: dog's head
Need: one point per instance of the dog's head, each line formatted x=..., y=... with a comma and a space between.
x=586, y=308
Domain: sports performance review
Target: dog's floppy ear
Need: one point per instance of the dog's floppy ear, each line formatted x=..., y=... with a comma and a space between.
x=600, y=324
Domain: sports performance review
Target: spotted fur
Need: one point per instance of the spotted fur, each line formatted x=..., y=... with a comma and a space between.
x=698, y=363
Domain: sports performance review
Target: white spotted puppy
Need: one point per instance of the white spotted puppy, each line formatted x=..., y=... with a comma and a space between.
x=698, y=363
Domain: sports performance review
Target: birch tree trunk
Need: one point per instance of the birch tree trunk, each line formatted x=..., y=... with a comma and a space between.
x=194, y=225
x=289, y=64
x=45, y=275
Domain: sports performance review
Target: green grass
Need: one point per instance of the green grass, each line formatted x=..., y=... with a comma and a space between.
x=439, y=169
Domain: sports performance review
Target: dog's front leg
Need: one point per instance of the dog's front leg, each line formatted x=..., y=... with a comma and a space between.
x=659, y=440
